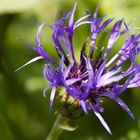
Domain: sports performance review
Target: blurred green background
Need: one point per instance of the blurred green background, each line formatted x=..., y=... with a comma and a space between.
x=24, y=112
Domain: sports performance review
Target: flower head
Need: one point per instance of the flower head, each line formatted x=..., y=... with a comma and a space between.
x=88, y=79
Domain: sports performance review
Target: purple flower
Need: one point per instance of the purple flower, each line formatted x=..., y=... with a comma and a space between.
x=88, y=79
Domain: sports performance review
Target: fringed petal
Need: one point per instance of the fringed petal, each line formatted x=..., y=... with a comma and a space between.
x=72, y=81
x=83, y=106
x=101, y=120
x=52, y=96
x=45, y=90
x=29, y=62
x=90, y=74
x=119, y=101
x=40, y=49
x=71, y=20
x=68, y=69
x=124, y=106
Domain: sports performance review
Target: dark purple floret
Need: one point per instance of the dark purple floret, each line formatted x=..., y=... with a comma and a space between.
x=89, y=79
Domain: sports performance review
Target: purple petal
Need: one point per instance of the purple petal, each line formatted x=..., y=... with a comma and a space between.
x=72, y=15
x=96, y=11
x=59, y=31
x=124, y=106
x=40, y=49
x=43, y=53
x=101, y=120
x=90, y=73
x=74, y=92
x=119, y=101
x=83, y=105
x=67, y=71
x=45, y=90
x=82, y=23
x=52, y=76
x=135, y=82
x=125, y=85
x=109, y=77
x=115, y=31
x=52, y=96
x=29, y=62
x=113, y=36
x=61, y=65
x=83, y=50
x=112, y=60
x=82, y=18
x=69, y=31
x=71, y=81
x=105, y=24
x=95, y=25
x=96, y=28
x=100, y=71
x=128, y=51
x=49, y=72
x=110, y=74
x=126, y=30
x=109, y=81
x=38, y=33
x=130, y=70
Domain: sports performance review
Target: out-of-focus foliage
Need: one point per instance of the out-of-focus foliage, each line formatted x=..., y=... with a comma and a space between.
x=24, y=113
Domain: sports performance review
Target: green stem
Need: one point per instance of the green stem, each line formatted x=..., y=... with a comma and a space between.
x=56, y=130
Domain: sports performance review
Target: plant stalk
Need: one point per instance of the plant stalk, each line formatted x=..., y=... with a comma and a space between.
x=56, y=130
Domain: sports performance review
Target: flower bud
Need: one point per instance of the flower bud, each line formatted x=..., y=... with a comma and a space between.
x=68, y=106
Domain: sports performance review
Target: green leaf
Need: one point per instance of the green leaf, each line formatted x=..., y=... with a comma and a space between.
x=68, y=127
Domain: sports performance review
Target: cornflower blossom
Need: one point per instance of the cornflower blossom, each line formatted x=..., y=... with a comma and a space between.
x=88, y=80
